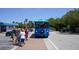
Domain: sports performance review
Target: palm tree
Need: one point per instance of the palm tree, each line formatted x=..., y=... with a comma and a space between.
x=13, y=22
x=25, y=21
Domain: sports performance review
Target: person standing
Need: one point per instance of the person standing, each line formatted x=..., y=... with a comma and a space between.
x=26, y=33
x=12, y=35
x=17, y=35
x=22, y=37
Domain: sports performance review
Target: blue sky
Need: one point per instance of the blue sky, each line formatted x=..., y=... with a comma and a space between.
x=19, y=14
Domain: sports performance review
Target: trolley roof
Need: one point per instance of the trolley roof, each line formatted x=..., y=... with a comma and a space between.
x=41, y=20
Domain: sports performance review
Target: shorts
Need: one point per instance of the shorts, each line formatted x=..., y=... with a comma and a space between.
x=21, y=41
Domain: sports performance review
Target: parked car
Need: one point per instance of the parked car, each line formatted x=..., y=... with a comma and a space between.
x=8, y=33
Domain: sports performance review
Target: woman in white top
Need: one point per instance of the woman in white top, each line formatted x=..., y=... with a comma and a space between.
x=22, y=37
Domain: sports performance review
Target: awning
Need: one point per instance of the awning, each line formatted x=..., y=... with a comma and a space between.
x=8, y=24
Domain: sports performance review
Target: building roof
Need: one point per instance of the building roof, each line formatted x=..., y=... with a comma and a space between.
x=8, y=24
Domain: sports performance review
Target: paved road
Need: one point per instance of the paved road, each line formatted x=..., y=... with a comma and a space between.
x=56, y=40
x=5, y=43
x=65, y=41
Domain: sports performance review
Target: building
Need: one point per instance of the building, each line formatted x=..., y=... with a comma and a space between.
x=6, y=26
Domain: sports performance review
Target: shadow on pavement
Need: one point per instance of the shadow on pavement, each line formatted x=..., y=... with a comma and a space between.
x=68, y=33
x=33, y=36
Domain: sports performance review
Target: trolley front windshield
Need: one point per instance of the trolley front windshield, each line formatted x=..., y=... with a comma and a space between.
x=41, y=24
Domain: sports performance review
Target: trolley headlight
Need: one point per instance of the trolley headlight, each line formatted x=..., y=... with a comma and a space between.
x=41, y=31
x=36, y=31
x=47, y=31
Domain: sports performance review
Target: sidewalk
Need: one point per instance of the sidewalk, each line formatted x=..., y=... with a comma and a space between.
x=33, y=44
x=5, y=43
